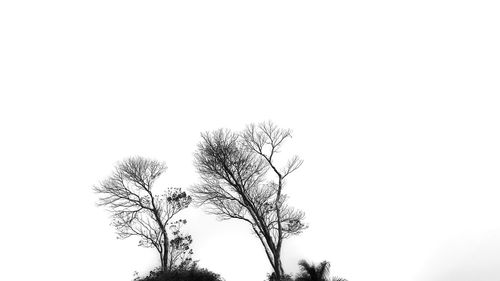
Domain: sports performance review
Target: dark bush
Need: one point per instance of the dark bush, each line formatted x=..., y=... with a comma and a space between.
x=272, y=277
x=194, y=273
x=313, y=272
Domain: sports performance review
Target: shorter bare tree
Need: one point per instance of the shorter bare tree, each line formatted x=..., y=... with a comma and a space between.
x=137, y=211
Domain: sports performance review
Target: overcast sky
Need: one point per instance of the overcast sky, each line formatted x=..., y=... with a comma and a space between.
x=394, y=107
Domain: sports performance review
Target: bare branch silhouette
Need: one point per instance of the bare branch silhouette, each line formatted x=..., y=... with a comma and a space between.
x=240, y=180
x=137, y=211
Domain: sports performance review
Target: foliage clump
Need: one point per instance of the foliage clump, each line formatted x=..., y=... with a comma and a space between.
x=191, y=273
x=313, y=272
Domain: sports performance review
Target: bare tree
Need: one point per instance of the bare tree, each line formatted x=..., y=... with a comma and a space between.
x=137, y=211
x=241, y=180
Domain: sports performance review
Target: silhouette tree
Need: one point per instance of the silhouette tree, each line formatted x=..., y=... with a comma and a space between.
x=241, y=180
x=312, y=272
x=136, y=211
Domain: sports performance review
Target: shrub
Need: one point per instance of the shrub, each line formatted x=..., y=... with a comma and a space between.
x=271, y=277
x=193, y=273
x=313, y=272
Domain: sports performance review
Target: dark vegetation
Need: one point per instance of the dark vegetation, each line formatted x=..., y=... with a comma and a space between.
x=308, y=272
x=193, y=273
x=240, y=180
x=312, y=272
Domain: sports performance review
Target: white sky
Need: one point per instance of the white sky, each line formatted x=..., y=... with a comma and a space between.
x=394, y=107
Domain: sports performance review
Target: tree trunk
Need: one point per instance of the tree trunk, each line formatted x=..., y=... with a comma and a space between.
x=165, y=253
x=277, y=255
x=278, y=268
x=161, y=261
x=161, y=225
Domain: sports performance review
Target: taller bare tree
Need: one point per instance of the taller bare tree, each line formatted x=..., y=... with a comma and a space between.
x=241, y=180
x=137, y=211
